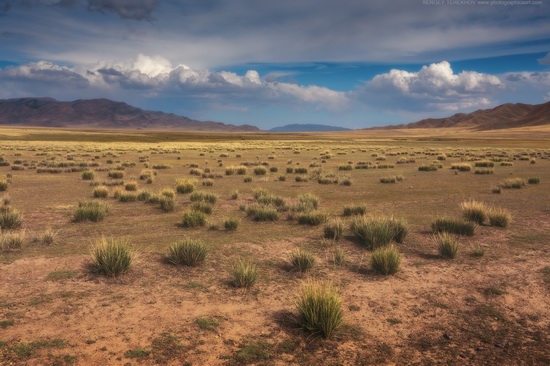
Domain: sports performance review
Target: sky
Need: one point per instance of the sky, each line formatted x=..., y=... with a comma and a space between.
x=348, y=63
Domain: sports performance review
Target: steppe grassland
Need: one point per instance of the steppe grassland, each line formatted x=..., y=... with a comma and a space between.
x=47, y=185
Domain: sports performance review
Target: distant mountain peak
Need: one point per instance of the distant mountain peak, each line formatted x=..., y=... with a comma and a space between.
x=508, y=115
x=100, y=113
x=307, y=127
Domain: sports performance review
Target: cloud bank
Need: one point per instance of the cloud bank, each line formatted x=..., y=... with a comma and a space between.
x=433, y=87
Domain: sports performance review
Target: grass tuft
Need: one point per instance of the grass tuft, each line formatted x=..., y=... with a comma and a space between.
x=374, y=232
x=333, y=230
x=474, y=211
x=193, y=219
x=244, y=273
x=91, y=211
x=453, y=226
x=301, y=260
x=112, y=257
x=320, y=308
x=499, y=217
x=447, y=244
x=386, y=260
x=10, y=218
x=187, y=252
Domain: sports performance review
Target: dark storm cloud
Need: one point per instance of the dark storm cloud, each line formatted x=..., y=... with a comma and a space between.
x=128, y=9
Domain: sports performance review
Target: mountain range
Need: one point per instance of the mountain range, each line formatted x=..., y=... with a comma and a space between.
x=509, y=115
x=307, y=127
x=108, y=114
x=100, y=113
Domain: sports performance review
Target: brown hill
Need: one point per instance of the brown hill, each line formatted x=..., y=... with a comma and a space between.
x=504, y=116
x=100, y=113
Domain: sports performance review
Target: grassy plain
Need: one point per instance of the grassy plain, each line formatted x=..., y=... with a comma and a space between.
x=488, y=308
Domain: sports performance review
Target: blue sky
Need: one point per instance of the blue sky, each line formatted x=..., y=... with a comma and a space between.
x=352, y=63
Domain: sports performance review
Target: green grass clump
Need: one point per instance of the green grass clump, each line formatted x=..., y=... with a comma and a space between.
x=231, y=224
x=88, y=175
x=484, y=171
x=260, y=170
x=11, y=241
x=143, y=196
x=184, y=186
x=333, y=230
x=312, y=218
x=91, y=211
x=499, y=217
x=515, y=183
x=355, y=210
x=309, y=200
x=463, y=167
x=386, y=260
x=48, y=236
x=116, y=175
x=533, y=180
x=244, y=274
x=247, y=179
x=131, y=186
x=454, y=226
x=428, y=168
x=100, y=192
x=262, y=213
x=193, y=218
x=166, y=203
x=10, y=218
x=474, y=211
x=112, y=257
x=187, y=253
x=484, y=164
x=320, y=308
x=203, y=207
x=302, y=261
x=374, y=232
x=447, y=244
x=4, y=184
x=208, y=197
x=127, y=197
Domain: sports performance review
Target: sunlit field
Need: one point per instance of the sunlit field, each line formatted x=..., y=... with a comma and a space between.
x=216, y=249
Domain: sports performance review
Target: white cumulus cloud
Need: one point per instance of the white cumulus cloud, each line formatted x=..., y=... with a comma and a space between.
x=435, y=86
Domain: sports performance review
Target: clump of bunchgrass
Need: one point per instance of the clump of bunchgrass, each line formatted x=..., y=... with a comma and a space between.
x=94, y=211
x=127, y=196
x=499, y=217
x=166, y=203
x=355, y=210
x=339, y=257
x=193, y=219
x=10, y=218
x=187, y=253
x=454, y=226
x=514, y=183
x=48, y=237
x=131, y=186
x=333, y=229
x=244, y=274
x=100, y=192
x=11, y=241
x=202, y=207
x=377, y=231
x=474, y=211
x=386, y=260
x=88, y=175
x=447, y=244
x=301, y=260
x=319, y=308
x=262, y=213
x=184, y=186
x=533, y=180
x=112, y=257
x=309, y=200
x=4, y=184
x=312, y=218
x=231, y=224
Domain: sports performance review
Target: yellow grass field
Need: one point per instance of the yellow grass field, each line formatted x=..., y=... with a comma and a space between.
x=489, y=305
